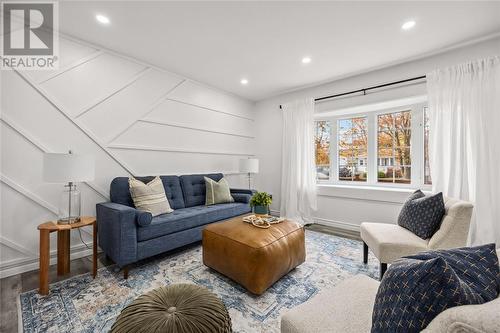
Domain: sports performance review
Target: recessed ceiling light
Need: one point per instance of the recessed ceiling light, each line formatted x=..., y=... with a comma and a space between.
x=244, y=81
x=306, y=60
x=102, y=19
x=408, y=25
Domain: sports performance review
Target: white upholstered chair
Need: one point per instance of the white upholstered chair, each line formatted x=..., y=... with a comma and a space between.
x=390, y=241
x=348, y=308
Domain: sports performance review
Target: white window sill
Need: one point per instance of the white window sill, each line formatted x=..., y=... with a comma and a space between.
x=396, y=194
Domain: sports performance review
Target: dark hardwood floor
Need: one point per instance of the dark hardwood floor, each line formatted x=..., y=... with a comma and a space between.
x=12, y=286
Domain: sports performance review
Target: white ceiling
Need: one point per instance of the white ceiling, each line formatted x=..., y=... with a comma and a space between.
x=219, y=43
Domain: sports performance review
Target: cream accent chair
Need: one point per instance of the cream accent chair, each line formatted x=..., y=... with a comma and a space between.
x=390, y=241
x=348, y=308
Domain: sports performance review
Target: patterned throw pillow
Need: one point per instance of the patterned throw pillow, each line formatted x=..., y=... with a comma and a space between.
x=217, y=192
x=422, y=214
x=415, y=289
x=149, y=197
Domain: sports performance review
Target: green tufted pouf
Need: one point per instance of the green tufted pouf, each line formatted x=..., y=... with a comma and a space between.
x=178, y=308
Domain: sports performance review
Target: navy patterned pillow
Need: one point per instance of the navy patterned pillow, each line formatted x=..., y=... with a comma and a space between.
x=415, y=289
x=422, y=214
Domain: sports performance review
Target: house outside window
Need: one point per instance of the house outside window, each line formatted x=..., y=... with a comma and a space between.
x=352, y=140
x=377, y=148
x=394, y=147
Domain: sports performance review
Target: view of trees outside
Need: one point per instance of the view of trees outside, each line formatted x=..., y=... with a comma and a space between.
x=353, y=149
x=322, y=148
x=394, y=137
x=393, y=148
x=427, y=169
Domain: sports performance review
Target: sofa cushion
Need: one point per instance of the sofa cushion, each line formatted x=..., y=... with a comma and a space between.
x=345, y=308
x=186, y=218
x=422, y=214
x=416, y=289
x=194, y=189
x=120, y=193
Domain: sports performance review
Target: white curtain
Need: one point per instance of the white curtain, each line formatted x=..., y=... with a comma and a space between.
x=298, y=174
x=464, y=112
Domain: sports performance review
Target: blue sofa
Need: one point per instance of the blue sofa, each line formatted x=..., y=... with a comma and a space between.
x=127, y=235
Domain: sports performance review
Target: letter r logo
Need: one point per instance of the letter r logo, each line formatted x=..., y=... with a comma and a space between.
x=28, y=29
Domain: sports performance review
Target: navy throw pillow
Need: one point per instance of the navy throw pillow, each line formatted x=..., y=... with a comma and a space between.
x=422, y=214
x=415, y=289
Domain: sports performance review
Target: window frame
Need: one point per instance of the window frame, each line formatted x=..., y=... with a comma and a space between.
x=416, y=151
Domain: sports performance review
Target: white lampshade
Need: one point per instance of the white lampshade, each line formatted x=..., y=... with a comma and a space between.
x=65, y=168
x=249, y=165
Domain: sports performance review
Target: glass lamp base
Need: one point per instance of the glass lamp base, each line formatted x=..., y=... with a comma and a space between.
x=68, y=220
x=69, y=205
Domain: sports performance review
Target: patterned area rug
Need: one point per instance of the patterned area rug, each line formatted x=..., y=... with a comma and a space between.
x=81, y=304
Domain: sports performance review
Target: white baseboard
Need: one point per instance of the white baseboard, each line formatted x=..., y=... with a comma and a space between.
x=29, y=264
x=337, y=224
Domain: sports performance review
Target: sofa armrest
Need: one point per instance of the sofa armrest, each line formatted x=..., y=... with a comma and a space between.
x=242, y=191
x=241, y=197
x=117, y=232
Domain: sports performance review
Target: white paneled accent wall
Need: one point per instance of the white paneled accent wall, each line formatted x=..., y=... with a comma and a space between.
x=134, y=118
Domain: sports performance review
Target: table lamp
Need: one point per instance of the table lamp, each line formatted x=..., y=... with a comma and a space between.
x=68, y=168
x=249, y=166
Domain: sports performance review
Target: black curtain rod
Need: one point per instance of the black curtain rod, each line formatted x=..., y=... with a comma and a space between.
x=364, y=90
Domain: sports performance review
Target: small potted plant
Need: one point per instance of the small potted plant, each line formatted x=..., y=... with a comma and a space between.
x=260, y=202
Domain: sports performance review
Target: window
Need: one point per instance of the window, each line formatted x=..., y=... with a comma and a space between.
x=394, y=147
x=352, y=149
x=427, y=169
x=322, y=147
x=381, y=148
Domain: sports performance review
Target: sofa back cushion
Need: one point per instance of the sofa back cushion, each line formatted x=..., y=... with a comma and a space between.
x=120, y=193
x=194, y=189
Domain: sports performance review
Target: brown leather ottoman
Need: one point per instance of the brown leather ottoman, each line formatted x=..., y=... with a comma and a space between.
x=254, y=257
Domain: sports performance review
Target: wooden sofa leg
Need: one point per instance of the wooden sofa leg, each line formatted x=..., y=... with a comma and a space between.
x=383, y=268
x=365, y=253
x=125, y=272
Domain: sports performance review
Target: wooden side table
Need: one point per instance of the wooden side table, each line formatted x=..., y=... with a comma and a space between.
x=63, y=248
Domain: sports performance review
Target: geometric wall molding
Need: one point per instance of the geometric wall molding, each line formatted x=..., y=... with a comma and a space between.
x=15, y=246
x=148, y=110
x=30, y=195
x=93, y=104
x=66, y=114
x=71, y=66
x=35, y=142
x=209, y=109
x=172, y=124
x=176, y=150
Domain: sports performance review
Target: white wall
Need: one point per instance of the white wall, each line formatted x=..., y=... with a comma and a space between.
x=134, y=118
x=345, y=207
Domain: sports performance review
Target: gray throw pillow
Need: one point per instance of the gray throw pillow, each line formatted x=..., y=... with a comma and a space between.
x=217, y=192
x=422, y=214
